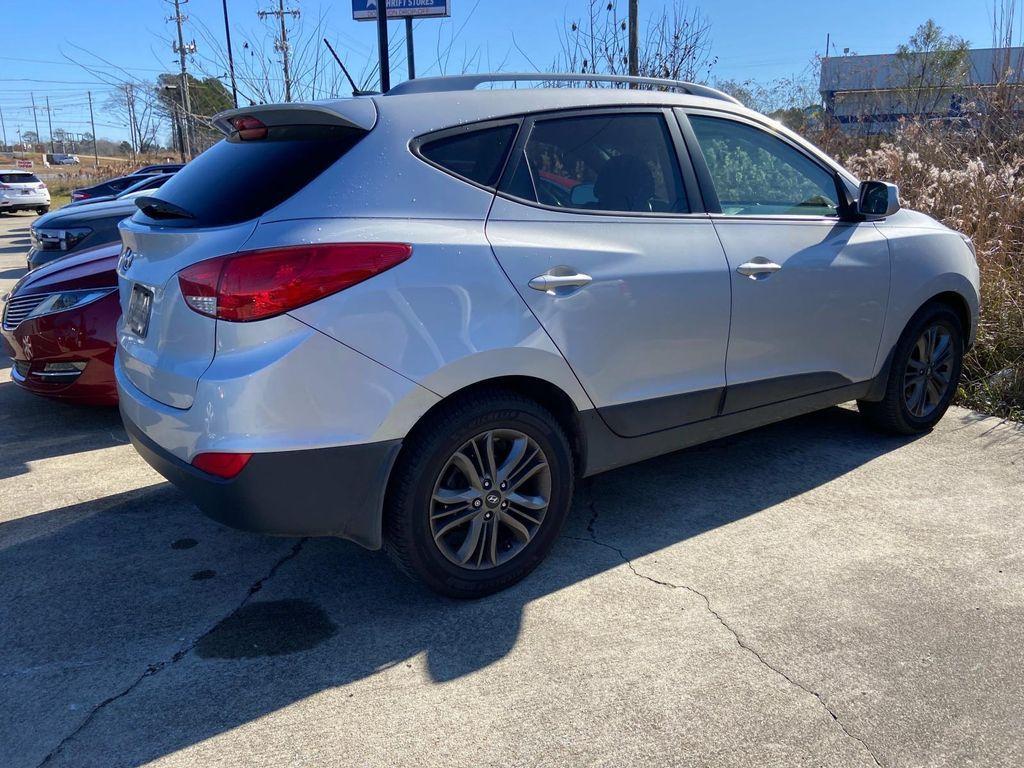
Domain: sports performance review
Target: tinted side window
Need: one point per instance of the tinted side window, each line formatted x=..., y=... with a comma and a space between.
x=757, y=174
x=615, y=163
x=477, y=155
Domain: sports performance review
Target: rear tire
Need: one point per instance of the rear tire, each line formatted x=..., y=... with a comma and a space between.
x=464, y=512
x=42, y=211
x=924, y=374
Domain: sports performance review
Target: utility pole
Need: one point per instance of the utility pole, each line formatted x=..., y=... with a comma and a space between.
x=3, y=128
x=231, y=57
x=382, y=46
x=129, y=98
x=183, y=49
x=410, y=49
x=35, y=118
x=92, y=123
x=49, y=122
x=634, y=37
x=281, y=44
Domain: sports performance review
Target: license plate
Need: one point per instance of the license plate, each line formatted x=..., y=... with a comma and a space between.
x=139, y=308
x=26, y=191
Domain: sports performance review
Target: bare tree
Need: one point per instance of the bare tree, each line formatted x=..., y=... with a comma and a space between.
x=676, y=43
x=314, y=73
x=793, y=100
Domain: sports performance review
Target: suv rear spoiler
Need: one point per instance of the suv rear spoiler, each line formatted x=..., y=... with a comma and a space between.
x=345, y=113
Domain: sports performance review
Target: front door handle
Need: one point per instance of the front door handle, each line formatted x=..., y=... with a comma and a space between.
x=555, y=283
x=758, y=269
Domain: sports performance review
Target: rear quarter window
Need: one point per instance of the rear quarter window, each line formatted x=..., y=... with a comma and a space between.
x=475, y=154
x=236, y=181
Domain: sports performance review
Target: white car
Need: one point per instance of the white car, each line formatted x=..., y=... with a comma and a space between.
x=22, y=191
x=414, y=320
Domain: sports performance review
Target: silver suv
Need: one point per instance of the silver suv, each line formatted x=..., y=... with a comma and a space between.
x=414, y=320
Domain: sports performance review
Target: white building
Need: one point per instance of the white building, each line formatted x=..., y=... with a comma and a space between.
x=871, y=94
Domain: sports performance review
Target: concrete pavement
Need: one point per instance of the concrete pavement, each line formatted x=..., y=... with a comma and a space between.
x=806, y=594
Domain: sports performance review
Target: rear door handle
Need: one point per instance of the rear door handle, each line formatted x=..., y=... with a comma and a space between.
x=758, y=269
x=549, y=283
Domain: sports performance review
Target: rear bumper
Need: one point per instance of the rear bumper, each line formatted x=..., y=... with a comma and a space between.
x=23, y=205
x=316, y=492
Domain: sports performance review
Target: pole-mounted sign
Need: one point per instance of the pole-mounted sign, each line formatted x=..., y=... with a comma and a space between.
x=366, y=10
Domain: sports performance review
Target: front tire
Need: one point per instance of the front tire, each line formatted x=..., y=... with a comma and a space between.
x=924, y=374
x=479, y=494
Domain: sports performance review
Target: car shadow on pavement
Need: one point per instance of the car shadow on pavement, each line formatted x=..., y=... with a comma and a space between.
x=13, y=274
x=134, y=627
x=34, y=428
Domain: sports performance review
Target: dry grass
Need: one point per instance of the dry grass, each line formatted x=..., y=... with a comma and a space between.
x=970, y=177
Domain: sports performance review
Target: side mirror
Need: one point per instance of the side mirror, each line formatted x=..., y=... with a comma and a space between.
x=878, y=199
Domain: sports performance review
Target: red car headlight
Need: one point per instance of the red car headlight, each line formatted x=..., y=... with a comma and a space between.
x=65, y=300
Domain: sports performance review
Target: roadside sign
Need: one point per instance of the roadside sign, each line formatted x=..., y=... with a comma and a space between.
x=24, y=163
x=366, y=10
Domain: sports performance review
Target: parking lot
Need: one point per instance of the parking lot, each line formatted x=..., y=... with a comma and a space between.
x=806, y=594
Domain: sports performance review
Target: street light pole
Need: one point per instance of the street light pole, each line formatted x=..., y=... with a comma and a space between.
x=92, y=122
x=382, y=46
x=49, y=122
x=634, y=37
x=410, y=49
x=231, y=57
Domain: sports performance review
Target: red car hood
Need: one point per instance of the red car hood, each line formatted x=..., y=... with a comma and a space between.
x=94, y=268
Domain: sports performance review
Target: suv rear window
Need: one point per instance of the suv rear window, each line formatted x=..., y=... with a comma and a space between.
x=474, y=155
x=237, y=180
x=18, y=178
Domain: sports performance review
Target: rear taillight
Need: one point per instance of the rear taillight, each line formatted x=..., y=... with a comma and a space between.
x=255, y=285
x=5, y=186
x=249, y=128
x=41, y=186
x=223, y=465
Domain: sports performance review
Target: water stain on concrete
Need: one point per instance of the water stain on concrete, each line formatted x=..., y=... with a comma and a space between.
x=203, y=575
x=273, y=628
x=183, y=544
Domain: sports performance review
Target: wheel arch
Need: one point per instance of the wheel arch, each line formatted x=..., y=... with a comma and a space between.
x=953, y=299
x=549, y=395
x=959, y=305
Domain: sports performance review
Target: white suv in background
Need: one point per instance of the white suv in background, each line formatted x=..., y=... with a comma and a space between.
x=414, y=320
x=22, y=191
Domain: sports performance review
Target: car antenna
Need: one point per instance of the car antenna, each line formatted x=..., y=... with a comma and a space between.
x=355, y=88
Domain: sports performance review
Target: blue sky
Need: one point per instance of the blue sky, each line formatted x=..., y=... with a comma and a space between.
x=752, y=40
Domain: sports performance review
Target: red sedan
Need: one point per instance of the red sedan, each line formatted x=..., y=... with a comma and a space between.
x=60, y=321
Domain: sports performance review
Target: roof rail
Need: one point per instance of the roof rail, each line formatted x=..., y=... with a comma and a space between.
x=470, y=82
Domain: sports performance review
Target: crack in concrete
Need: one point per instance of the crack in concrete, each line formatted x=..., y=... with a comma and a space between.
x=591, y=524
x=159, y=666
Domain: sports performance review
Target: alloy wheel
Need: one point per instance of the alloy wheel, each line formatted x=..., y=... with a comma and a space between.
x=490, y=499
x=929, y=372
